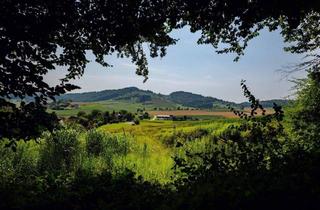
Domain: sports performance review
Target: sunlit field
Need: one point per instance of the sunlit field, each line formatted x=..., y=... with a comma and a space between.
x=102, y=105
x=153, y=157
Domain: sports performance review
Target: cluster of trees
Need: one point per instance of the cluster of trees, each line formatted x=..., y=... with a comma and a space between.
x=142, y=114
x=61, y=105
x=97, y=118
x=183, y=118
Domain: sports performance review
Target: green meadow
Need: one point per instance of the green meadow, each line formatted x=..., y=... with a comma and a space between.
x=111, y=105
x=147, y=149
x=102, y=106
x=152, y=158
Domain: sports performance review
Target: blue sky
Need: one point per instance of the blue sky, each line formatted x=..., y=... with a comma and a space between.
x=199, y=69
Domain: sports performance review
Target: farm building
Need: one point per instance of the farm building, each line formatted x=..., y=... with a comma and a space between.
x=164, y=117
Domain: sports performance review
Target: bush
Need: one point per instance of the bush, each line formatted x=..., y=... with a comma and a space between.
x=250, y=166
x=231, y=133
x=136, y=121
x=103, y=148
x=22, y=162
x=305, y=116
x=118, y=144
x=60, y=151
x=95, y=142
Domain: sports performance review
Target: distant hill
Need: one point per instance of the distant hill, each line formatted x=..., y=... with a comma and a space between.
x=129, y=94
x=197, y=101
x=269, y=103
x=125, y=94
x=178, y=98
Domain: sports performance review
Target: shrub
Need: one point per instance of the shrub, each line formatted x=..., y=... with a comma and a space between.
x=22, y=162
x=117, y=144
x=231, y=133
x=136, y=121
x=60, y=151
x=104, y=147
x=249, y=165
x=95, y=142
x=305, y=115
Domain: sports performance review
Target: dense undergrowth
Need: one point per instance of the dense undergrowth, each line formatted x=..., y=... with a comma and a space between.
x=268, y=162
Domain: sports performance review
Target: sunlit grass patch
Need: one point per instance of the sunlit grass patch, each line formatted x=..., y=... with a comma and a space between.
x=152, y=158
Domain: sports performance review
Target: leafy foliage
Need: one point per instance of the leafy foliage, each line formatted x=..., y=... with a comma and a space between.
x=63, y=147
x=97, y=118
x=305, y=116
x=250, y=164
x=27, y=122
x=94, y=142
x=38, y=36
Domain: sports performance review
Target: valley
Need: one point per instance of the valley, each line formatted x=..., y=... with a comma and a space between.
x=178, y=103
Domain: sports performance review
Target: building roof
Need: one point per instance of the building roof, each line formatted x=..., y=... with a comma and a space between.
x=163, y=115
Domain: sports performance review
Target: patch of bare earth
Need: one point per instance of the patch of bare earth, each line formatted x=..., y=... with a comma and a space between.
x=226, y=114
x=194, y=113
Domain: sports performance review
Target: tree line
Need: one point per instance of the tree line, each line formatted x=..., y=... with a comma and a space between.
x=97, y=118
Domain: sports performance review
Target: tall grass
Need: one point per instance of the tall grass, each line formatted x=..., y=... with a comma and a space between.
x=146, y=149
x=60, y=151
x=104, y=150
x=71, y=162
x=21, y=162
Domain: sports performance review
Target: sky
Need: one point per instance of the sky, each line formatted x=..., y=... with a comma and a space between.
x=199, y=69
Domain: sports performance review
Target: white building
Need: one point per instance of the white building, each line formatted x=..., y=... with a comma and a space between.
x=164, y=117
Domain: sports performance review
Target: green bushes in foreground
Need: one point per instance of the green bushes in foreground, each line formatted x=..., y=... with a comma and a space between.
x=254, y=165
x=72, y=170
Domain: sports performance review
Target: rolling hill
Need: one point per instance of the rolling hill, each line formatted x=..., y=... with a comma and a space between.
x=268, y=103
x=129, y=95
x=198, y=101
x=149, y=98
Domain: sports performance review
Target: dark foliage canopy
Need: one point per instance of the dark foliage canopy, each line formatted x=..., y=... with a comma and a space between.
x=38, y=36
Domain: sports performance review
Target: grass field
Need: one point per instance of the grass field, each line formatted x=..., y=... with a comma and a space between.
x=110, y=106
x=153, y=159
x=102, y=105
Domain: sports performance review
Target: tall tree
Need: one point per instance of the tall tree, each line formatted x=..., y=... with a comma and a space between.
x=305, y=115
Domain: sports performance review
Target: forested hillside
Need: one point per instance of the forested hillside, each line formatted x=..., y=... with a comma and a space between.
x=197, y=100
x=178, y=98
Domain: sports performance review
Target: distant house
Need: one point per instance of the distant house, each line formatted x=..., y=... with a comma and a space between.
x=164, y=117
